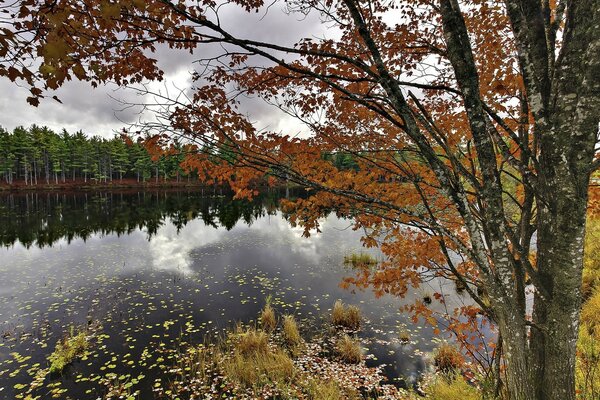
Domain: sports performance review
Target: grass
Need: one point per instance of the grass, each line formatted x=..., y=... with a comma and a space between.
x=348, y=349
x=452, y=387
x=327, y=390
x=260, y=368
x=589, y=312
x=67, y=350
x=346, y=316
x=268, y=320
x=250, y=341
x=358, y=260
x=291, y=334
x=587, y=369
x=404, y=336
x=448, y=359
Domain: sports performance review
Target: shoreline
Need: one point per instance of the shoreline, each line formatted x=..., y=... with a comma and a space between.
x=86, y=186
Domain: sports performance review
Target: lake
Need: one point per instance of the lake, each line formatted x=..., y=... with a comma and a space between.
x=153, y=270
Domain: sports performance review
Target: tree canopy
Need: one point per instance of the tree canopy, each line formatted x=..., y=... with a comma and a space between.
x=473, y=126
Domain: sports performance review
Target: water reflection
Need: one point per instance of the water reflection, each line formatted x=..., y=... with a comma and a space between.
x=42, y=219
x=153, y=267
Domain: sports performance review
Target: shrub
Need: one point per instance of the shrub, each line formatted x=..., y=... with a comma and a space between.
x=347, y=317
x=67, y=350
x=448, y=359
x=291, y=334
x=348, y=349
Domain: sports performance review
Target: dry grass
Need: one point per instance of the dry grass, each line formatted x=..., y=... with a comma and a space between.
x=589, y=313
x=328, y=390
x=67, y=350
x=259, y=369
x=358, y=260
x=250, y=341
x=346, y=316
x=252, y=363
x=448, y=359
x=587, y=370
x=268, y=320
x=452, y=387
x=291, y=334
x=348, y=349
x=404, y=336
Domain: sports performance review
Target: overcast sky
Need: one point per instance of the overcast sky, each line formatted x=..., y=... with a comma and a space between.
x=95, y=111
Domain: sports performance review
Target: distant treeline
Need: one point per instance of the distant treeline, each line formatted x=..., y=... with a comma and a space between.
x=38, y=155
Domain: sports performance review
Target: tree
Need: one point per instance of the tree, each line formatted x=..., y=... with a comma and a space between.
x=473, y=125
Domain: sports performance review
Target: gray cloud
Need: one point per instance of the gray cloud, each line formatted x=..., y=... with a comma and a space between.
x=95, y=111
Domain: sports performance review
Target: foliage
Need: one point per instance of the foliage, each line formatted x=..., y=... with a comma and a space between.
x=345, y=316
x=67, y=350
x=471, y=129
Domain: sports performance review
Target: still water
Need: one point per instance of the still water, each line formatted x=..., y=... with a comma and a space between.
x=156, y=269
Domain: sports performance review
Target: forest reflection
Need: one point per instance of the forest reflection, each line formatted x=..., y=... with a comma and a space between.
x=42, y=219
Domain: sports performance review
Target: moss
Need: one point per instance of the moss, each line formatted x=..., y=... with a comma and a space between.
x=68, y=350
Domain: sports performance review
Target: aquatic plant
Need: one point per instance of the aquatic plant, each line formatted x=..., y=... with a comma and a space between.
x=345, y=316
x=67, y=350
